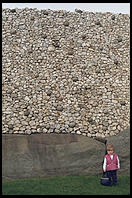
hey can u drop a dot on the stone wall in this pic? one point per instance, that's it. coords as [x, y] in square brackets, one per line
[43, 155]
[65, 72]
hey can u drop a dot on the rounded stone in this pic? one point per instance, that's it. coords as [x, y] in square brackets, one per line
[123, 103]
[113, 17]
[70, 52]
[119, 39]
[26, 113]
[98, 23]
[78, 11]
[51, 48]
[44, 130]
[27, 98]
[66, 23]
[45, 12]
[78, 132]
[9, 91]
[55, 43]
[32, 18]
[91, 121]
[10, 127]
[13, 10]
[44, 36]
[28, 132]
[75, 79]
[59, 108]
[49, 92]
[105, 124]
[13, 31]
[116, 62]
[72, 124]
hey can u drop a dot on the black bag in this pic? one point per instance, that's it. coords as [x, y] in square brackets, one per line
[105, 180]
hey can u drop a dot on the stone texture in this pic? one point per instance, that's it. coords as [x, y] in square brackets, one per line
[42, 155]
[65, 66]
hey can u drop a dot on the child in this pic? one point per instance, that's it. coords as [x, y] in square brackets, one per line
[111, 164]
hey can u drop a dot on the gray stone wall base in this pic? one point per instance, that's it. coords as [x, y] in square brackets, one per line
[43, 155]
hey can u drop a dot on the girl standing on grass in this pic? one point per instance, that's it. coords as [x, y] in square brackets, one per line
[111, 164]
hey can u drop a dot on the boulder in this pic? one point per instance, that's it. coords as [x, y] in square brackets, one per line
[42, 155]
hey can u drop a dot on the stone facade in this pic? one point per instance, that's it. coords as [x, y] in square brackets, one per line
[65, 72]
[44, 155]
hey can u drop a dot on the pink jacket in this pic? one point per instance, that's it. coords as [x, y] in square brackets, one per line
[111, 164]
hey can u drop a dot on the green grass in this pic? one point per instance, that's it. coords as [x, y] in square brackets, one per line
[66, 185]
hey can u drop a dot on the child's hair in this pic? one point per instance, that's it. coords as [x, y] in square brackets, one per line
[110, 146]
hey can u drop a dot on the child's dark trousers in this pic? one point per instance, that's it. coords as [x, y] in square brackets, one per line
[112, 175]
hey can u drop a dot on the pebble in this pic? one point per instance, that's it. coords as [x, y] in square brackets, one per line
[84, 134]
[78, 132]
[28, 132]
[69, 71]
[72, 124]
[59, 108]
[51, 48]
[44, 130]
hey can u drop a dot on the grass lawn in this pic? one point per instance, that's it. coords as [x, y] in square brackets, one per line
[66, 185]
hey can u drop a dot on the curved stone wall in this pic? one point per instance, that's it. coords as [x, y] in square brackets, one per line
[44, 155]
[65, 72]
